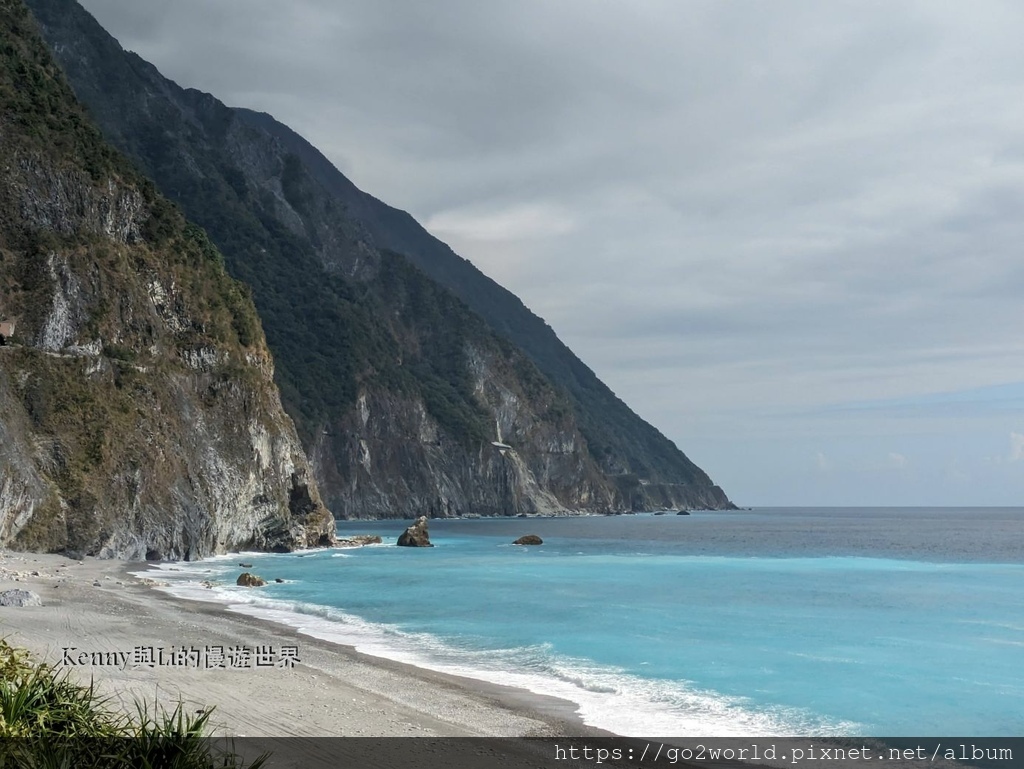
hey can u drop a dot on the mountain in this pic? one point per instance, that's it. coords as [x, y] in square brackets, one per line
[400, 362]
[138, 414]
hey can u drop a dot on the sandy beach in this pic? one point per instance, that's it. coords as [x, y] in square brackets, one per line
[105, 614]
[96, 613]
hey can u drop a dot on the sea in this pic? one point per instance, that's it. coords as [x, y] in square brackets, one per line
[771, 621]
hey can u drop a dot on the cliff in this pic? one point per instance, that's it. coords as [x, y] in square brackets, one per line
[138, 413]
[401, 363]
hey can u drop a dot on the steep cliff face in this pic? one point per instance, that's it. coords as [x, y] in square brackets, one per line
[400, 363]
[138, 414]
[633, 453]
[536, 462]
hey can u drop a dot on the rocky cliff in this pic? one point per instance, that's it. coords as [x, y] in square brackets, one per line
[401, 364]
[138, 413]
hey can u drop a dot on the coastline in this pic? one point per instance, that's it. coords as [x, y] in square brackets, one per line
[100, 609]
[100, 606]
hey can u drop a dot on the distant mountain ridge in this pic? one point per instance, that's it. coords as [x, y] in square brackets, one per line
[400, 362]
[631, 444]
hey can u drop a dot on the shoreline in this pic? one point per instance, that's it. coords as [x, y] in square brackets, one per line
[98, 607]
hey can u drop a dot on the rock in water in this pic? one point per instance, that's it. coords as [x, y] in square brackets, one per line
[416, 535]
[529, 539]
[245, 579]
[19, 598]
[359, 540]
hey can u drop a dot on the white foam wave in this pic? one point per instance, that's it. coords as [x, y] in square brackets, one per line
[1003, 641]
[826, 658]
[606, 697]
[989, 623]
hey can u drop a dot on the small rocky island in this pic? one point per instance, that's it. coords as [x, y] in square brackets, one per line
[529, 539]
[416, 535]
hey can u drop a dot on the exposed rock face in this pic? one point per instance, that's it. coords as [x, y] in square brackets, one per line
[529, 539]
[19, 598]
[416, 535]
[245, 579]
[359, 540]
[440, 364]
[139, 418]
[428, 471]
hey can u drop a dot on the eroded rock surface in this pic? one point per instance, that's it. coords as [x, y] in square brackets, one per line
[416, 535]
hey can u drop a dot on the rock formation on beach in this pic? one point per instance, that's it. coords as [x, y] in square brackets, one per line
[19, 598]
[451, 397]
[138, 413]
[416, 535]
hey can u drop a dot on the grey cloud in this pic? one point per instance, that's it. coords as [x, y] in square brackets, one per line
[766, 202]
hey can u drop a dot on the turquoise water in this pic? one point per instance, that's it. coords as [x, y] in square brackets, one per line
[866, 622]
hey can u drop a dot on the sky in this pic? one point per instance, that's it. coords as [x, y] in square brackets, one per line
[787, 234]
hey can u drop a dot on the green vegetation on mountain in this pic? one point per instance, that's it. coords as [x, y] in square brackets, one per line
[622, 442]
[132, 345]
[44, 126]
[367, 316]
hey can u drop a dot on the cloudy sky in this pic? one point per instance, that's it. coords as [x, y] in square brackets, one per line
[788, 234]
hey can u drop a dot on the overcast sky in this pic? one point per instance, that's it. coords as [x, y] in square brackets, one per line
[788, 234]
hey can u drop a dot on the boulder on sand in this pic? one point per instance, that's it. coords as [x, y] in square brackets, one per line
[19, 598]
[416, 535]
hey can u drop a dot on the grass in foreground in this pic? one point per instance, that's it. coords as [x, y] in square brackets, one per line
[48, 721]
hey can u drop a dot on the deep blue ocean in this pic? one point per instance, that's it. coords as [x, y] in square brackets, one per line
[868, 622]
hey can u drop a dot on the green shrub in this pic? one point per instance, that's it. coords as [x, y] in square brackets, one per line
[48, 720]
